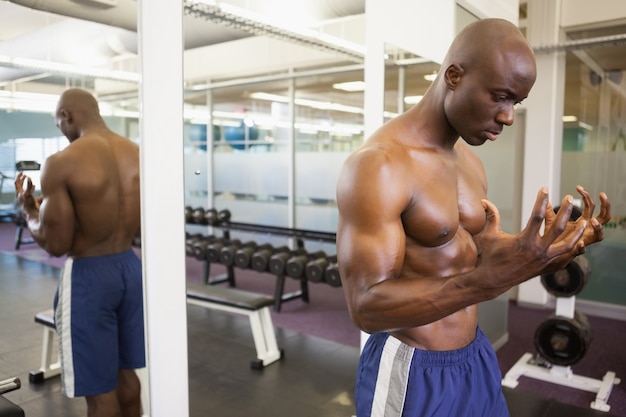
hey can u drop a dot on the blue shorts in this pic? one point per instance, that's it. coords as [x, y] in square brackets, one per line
[396, 380]
[99, 321]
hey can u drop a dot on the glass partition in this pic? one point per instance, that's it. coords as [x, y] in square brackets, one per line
[594, 155]
[328, 126]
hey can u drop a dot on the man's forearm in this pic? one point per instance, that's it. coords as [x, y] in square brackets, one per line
[31, 215]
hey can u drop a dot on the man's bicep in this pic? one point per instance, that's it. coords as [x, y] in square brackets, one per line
[57, 217]
[370, 242]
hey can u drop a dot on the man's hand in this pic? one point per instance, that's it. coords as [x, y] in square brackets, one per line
[25, 197]
[593, 232]
[511, 259]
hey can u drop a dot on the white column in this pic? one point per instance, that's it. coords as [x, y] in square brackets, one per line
[544, 123]
[162, 202]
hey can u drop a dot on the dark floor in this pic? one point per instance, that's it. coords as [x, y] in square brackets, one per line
[315, 378]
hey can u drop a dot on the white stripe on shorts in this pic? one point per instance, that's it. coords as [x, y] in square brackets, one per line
[392, 379]
[64, 328]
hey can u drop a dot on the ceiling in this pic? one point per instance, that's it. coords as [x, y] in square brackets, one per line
[106, 38]
[100, 36]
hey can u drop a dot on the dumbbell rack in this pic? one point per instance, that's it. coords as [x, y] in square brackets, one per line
[298, 234]
[562, 375]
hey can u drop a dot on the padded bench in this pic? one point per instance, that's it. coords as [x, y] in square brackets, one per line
[255, 306]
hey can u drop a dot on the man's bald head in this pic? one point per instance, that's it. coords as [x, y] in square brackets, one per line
[77, 110]
[483, 41]
[78, 100]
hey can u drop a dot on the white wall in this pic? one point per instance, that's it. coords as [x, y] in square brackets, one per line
[505, 9]
[585, 12]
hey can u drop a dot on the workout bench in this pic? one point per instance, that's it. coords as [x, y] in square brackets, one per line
[48, 368]
[255, 306]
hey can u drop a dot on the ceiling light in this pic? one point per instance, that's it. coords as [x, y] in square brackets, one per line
[24, 101]
[315, 104]
[413, 99]
[570, 118]
[431, 77]
[269, 97]
[68, 69]
[350, 86]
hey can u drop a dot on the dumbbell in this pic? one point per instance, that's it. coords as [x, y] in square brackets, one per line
[243, 255]
[227, 253]
[260, 259]
[189, 242]
[198, 216]
[214, 249]
[564, 341]
[223, 216]
[210, 217]
[296, 264]
[188, 214]
[199, 247]
[315, 269]
[570, 280]
[278, 261]
[331, 275]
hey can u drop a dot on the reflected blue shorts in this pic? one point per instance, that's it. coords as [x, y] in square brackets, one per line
[99, 321]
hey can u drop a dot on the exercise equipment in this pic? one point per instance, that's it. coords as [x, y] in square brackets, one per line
[227, 253]
[568, 281]
[188, 214]
[294, 268]
[190, 241]
[278, 261]
[8, 385]
[255, 306]
[198, 216]
[200, 246]
[206, 217]
[316, 268]
[260, 259]
[243, 255]
[331, 275]
[8, 408]
[563, 340]
[50, 364]
[223, 216]
[214, 248]
[210, 216]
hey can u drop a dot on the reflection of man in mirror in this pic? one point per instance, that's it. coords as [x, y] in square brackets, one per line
[89, 210]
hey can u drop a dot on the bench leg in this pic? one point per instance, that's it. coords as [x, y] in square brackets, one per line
[48, 369]
[264, 338]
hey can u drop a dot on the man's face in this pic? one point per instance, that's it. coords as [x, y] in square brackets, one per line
[485, 98]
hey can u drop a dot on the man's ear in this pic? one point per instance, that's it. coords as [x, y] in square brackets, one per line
[66, 115]
[453, 75]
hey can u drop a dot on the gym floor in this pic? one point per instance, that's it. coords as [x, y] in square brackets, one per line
[315, 378]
